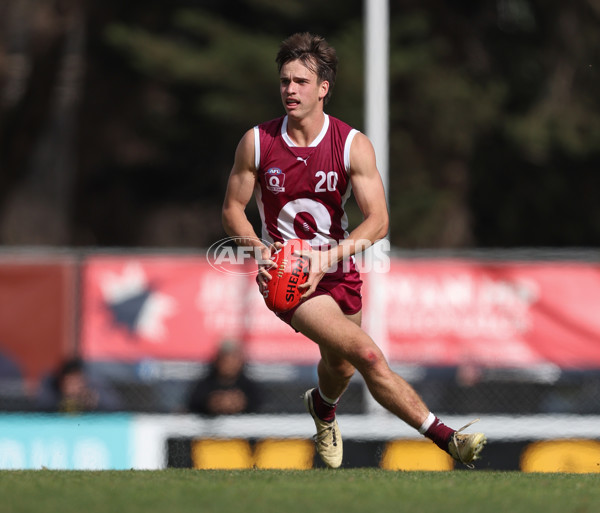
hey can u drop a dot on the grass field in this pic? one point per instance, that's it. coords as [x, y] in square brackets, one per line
[347, 491]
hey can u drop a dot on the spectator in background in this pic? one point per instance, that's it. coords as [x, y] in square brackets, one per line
[8, 368]
[12, 386]
[70, 391]
[226, 390]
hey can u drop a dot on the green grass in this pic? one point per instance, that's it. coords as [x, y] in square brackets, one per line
[313, 491]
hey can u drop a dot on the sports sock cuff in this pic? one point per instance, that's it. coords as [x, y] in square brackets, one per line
[333, 402]
[427, 424]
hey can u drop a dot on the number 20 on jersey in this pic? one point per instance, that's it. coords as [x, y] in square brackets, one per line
[326, 181]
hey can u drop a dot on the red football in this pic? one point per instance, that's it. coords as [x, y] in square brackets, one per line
[282, 292]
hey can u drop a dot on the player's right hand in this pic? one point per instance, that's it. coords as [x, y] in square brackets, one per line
[266, 263]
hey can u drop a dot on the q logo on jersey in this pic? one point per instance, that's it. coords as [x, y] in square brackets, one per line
[275, 178]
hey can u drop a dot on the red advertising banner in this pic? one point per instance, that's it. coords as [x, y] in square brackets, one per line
[178, 308]
[449, 312]
[435, 312]
[37, 312]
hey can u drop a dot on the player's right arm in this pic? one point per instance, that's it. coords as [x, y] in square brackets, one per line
[240, 188]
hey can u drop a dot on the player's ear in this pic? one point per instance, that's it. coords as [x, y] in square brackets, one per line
[323, 89]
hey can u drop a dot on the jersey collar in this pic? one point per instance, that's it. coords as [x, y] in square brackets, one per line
[318, 139]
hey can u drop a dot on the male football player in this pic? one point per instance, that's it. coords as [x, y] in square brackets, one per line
[301, 169]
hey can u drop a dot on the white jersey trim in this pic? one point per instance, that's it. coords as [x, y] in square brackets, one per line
[318, 139]
[256, 147]
[347, 146]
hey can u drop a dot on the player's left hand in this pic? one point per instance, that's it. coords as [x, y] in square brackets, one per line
[320, 262]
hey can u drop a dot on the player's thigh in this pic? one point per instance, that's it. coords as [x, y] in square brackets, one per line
[335, 360]
[355, 318]
[339, 336]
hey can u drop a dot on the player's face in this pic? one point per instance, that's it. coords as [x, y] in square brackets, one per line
[301, 91]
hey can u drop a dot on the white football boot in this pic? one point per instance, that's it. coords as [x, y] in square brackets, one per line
[466, 448]
[328, 440]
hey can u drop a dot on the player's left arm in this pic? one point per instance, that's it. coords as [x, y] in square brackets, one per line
[370, 196]
[369, 193]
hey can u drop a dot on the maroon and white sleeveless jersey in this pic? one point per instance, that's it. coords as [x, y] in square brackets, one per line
[301, 191]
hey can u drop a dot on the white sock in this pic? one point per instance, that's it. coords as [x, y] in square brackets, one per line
[333, 402]
[427, 424]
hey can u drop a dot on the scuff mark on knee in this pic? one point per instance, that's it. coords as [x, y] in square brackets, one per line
[372, 356]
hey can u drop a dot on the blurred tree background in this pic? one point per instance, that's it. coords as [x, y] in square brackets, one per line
[119, 120]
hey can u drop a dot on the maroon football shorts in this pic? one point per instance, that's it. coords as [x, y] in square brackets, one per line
[343, 287]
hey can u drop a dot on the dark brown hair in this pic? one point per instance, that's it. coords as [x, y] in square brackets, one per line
[314, 52]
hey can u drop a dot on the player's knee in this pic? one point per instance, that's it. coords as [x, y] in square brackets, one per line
[370, 359]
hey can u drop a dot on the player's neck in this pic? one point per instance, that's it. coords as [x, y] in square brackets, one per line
[305, 130]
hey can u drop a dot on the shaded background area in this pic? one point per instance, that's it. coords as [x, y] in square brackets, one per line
[118, 125]
[118, 121]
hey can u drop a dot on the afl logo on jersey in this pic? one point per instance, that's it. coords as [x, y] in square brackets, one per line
[275, 178]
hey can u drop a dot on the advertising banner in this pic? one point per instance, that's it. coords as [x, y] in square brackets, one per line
[87, 442]
[37, 316]
[434, 312]
[179, 308]
[452, 312]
